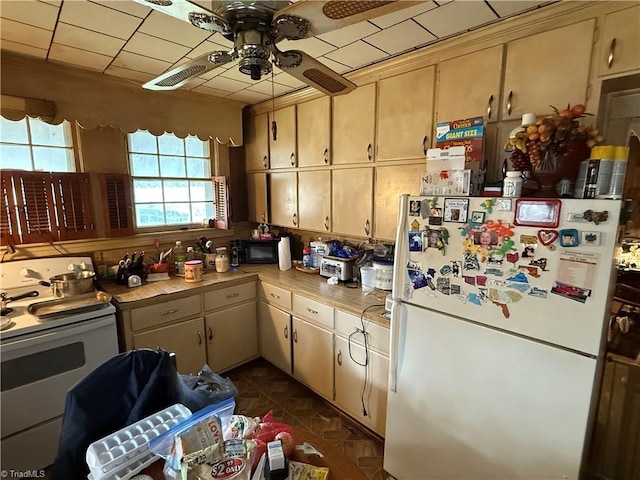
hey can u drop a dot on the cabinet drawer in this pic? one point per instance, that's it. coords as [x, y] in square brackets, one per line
[229, 296]
[311, 310]
[275, 295]
[346, 324]
[164, 312]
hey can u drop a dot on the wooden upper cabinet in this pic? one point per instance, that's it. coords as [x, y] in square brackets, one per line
[257, 197]
[469, 86]
[283, 188]
[354, 126]
[352, 201]
[314, 132]
[550, 68]
[314, 200]
[283, 149]
[620, 41]
[405, 115]
[391, 182]
[256, 142]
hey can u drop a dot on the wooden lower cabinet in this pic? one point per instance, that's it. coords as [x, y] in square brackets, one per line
[186, 339]
[274, 332]
[232, 336]
[313, 357]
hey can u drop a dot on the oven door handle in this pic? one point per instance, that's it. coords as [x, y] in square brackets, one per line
[11, 344]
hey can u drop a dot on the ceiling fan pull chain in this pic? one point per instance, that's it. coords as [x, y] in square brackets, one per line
[274, 125]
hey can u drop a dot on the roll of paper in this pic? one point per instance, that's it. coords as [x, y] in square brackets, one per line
[284, 254]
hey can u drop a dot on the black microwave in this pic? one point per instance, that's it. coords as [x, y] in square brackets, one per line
[260, 251]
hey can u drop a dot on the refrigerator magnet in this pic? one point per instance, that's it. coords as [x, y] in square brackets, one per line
[569, 237]
[415, 241]
[456, 210]
[590, 238]
[537, 213]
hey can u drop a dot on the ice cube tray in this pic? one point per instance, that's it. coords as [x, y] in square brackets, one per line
[124, 453]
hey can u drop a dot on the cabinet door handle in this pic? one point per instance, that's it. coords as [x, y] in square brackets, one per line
[274, 295]
[233, 295]
[490, 106]
[292, 158]
[286, 331]
[425, 144]
[210, 333]
[199, 338]
[312, 311]
[169, 312]
[509, 99]
[369, 152]
[340, 357]
[367, 227]
[325, 156]
[294, 219]
[326, 223]
[295, 335]
[264, 217]
[612, 51]
[265, 164]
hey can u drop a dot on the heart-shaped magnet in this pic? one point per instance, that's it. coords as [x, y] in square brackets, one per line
[547, 237]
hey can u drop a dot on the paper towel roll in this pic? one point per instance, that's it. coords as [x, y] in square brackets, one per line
[284, 254]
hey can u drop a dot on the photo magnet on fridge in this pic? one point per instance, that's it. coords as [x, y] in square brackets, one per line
[456, 210]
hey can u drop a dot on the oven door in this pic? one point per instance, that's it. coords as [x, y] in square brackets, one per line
[37, 371]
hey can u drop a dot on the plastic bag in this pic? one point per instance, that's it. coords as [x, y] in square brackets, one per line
[206, 388]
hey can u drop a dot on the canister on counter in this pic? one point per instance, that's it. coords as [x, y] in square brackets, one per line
[512, 184]
[618, 172]
[193, 271]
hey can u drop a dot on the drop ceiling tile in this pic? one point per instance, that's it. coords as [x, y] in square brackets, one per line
[194, 82]
[226, 84]
[38, 14]
[265, 87]
[77, 37]
[213, 73]
[130, 7]
[356, 54]
[455, 17]
[312, 46]
[169, 28]
[139, 77]
[504, 8]
[23, 49]
[140, 63]
[285, 79]
[220, 40]
[335, 66]
[206, 47]
[154, 47]
[210, 91]
[81, 58]
[98, 18]
[400, 37]
[248, 96]
[56, 3]
[236, 74]
[26, 34]
[386, 21]
[350, 34]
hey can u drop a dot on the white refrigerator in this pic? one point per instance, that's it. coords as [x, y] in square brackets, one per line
[497, 335]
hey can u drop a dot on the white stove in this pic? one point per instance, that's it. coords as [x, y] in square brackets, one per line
[42, 358]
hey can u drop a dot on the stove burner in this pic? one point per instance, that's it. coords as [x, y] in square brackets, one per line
[6, 311]
[6, 323]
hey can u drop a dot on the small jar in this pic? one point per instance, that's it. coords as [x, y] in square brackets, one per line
[512, 184]
[222, 260]
[306, 258]
[193, 271]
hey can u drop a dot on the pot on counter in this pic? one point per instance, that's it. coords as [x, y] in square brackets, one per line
[70, 284]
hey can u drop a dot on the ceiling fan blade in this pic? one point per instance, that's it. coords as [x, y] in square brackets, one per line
[178, 76]
[191, 13]
[310, 71]
[319, 17]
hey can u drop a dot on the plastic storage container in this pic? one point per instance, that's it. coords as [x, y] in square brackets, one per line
[126, 452]
[179, 257]
[222, 260]
[512, 184]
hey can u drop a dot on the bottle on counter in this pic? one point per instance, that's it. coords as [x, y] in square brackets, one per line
[306, 258]
[179, 257]
[222, 260]
[512, 184]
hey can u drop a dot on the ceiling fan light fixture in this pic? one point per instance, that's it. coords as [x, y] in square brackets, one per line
[208, 22]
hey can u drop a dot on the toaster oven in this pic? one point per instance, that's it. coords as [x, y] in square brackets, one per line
[342, 268]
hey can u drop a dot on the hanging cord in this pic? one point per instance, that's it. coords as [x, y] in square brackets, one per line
[274, 125]
[366, 363]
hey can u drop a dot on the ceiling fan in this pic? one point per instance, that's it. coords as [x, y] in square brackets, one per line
[255, 27]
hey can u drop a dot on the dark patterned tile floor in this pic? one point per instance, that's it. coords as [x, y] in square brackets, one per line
[263, 387]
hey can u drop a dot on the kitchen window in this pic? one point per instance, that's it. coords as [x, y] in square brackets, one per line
[171, 179]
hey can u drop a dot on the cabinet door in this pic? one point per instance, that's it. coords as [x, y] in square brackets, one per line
[256, 142]
[283, 149]
[391, 182]
[478, 76]
[535, 79]
[354, 126]
[314, 200]
[284, 199]
[354, 394]
[257, 190]
[620, 40]
[313, 357]
[314, 140]
[185, 339]
[352, 201]
[232, 336]
[274, 332]
[405, 115]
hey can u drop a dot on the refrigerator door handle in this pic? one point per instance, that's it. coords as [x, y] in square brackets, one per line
[394, 338]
